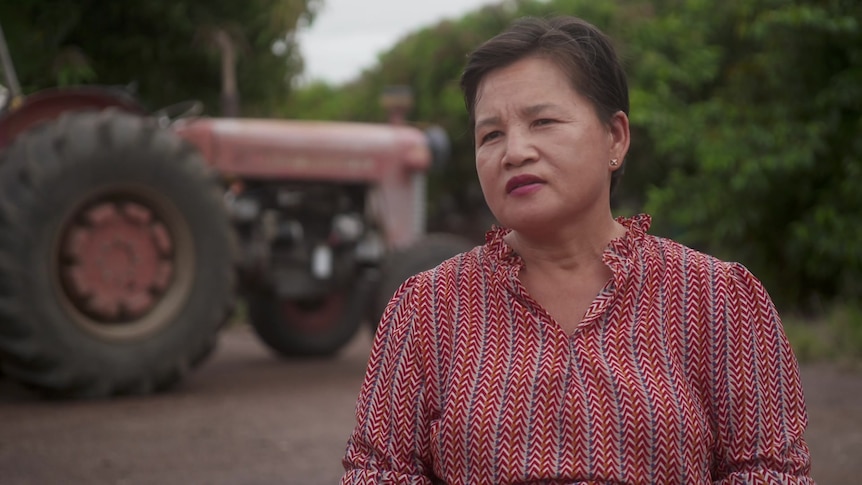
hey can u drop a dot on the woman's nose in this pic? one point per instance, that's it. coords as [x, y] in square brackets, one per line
[520, 148]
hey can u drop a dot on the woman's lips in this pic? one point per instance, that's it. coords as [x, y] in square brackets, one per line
[522, 184]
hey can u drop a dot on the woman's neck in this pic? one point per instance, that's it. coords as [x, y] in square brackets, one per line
[572, 249]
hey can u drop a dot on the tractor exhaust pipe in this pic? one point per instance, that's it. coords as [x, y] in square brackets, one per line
[10, 77]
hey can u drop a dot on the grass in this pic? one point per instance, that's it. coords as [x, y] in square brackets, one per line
[239, 316]
[835, 336]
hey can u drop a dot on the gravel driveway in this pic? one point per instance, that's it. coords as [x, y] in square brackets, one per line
[249, 418]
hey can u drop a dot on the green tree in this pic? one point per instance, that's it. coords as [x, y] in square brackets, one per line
[757, 129]
[163, 47]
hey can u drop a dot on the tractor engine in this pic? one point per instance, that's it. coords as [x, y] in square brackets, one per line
[303, 240]
[317, 207]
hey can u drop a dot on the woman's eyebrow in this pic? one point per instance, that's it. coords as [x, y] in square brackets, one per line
[493, 120]
[535, 109]
[531, 110]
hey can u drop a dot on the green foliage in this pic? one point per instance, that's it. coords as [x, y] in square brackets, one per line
[164, 47]
[758, 137]
[746, 117]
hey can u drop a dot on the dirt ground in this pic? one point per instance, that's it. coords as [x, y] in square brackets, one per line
[248, 418]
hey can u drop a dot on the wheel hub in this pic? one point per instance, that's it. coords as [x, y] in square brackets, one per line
[315, 316]
[117, 261]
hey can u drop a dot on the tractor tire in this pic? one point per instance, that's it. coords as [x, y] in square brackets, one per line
[310, 328]
[116, 257]
[400, 265]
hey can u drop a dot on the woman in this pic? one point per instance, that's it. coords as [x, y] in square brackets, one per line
[573, 347]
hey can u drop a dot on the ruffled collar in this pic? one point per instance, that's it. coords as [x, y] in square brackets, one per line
[616, 255]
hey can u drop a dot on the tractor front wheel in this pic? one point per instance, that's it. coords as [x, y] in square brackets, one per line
[316, 327]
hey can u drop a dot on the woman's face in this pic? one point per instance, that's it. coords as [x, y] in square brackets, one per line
[542, 154]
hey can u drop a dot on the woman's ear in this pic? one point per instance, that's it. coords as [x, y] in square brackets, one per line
[620, 136]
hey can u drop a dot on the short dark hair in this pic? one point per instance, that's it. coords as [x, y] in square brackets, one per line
[579, 48]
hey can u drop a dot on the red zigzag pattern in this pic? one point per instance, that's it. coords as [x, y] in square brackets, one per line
[679, 373]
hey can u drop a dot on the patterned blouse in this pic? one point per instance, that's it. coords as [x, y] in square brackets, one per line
[679, 373]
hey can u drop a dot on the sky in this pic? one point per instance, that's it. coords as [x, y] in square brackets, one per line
[347, 35]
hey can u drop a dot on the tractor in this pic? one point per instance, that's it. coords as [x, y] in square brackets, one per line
[127, 236]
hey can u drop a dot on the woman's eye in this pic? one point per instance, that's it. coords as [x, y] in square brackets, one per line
[490, 136]
[543, 121]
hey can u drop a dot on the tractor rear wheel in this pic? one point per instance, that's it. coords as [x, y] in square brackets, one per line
[425, 254]
[116, 257]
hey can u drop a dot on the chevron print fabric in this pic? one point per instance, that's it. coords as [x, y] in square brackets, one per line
[679, 373]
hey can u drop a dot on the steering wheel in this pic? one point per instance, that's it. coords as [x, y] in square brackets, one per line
[173, 112]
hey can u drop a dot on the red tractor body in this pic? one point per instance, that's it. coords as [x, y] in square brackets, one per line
[391, 158]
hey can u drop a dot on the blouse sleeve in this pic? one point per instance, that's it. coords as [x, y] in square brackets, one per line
[757, 399]
[389, 443]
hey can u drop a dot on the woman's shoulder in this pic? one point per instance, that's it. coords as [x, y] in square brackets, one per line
[447, 272]
[673, 249]
[428, 300]
[696, 263]
[472, 261]
[664, 248]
